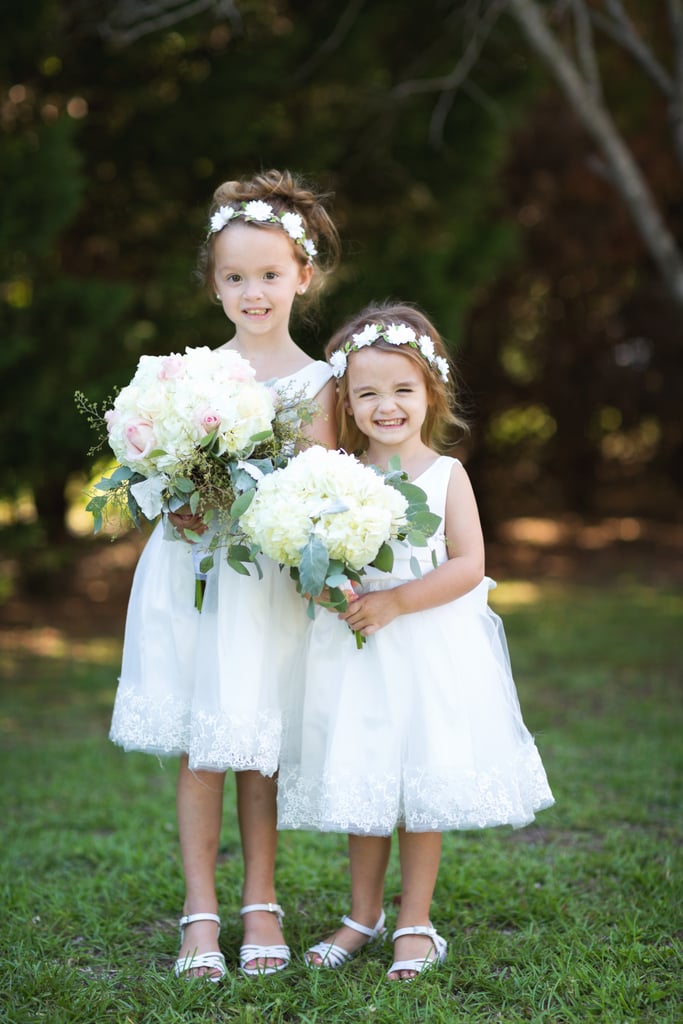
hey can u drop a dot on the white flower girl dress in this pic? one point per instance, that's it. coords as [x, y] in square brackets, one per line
[421, 727]
[210, 684]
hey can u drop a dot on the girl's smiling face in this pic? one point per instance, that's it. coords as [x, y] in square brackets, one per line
[257, 276]
[387, 395]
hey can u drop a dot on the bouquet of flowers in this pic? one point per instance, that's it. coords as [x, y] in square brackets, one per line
[328, 516]
[194, 430]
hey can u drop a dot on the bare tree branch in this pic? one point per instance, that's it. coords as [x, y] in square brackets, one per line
[676, 105]
[122, 22]
[597, 121]
[454, 79]
[585, 48]
[622, 31]
[333, 41]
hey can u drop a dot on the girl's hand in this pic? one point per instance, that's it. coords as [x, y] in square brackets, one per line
[367, 614]
[183, 520]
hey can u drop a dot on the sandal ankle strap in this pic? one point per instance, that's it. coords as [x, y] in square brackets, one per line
[372, 933]
[416, 929]
[191, 918]
[271, 908]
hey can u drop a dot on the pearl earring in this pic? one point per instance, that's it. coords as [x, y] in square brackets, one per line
[218, 296]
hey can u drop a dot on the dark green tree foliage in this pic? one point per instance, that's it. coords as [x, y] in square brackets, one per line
[110, 158]
[496, 223]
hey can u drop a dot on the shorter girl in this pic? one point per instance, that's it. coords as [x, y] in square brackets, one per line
[421, 730]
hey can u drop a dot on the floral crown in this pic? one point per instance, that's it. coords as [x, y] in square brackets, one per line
[263, 213]
[394, 334]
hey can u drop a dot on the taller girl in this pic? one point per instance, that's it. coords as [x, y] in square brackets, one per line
[209, 687]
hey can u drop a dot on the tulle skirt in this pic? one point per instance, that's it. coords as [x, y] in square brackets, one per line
[420, 728]
[207, 684]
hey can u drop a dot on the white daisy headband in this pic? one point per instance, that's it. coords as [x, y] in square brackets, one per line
[394, 334]
[263, 213]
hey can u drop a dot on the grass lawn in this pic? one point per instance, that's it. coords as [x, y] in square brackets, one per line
[577, 918]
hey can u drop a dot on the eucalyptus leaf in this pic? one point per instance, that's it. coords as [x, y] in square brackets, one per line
[313, 566]
[263, 435]
[193, 536]
[337, 599]
[122, 473]
[242, 503]
[416, 538]
[426, 522]
[242, 552]
[384, 560]
[96, 503]
[107, 483]
[411, 492]
[242, 480]
[235, 564]
[415, 567]
[183, 485]
[263, 465]
[208, 439]
[337, 580]
[206, 564]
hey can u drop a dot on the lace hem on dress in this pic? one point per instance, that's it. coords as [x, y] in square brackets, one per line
[426, 802]
[213, 742]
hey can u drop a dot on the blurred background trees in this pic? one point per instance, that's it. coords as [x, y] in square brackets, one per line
[464, 180]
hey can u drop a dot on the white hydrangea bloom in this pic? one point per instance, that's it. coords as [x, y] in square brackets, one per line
[328, 494]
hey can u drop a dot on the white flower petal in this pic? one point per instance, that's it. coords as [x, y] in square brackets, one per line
[258, 210]
[338, 363]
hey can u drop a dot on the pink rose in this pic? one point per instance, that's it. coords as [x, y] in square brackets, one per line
[111, 417]
[171, 366]
[140, 439]
[209, 420]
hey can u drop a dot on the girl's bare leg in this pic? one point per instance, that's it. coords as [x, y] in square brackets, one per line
[420, 854]
[199, 805]
[257, 815]
[368, 859]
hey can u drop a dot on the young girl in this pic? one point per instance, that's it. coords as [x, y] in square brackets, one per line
[209, 687]
[421, 729]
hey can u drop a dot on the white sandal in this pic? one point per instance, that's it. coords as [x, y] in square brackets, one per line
[332, 955]
[254, 952]
[192, 961]
[421, 963]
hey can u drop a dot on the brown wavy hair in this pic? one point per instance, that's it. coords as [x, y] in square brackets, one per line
[285, 192]
[443, 415]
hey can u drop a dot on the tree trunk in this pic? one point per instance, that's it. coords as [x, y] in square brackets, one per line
[625, 173]
[50, 501]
